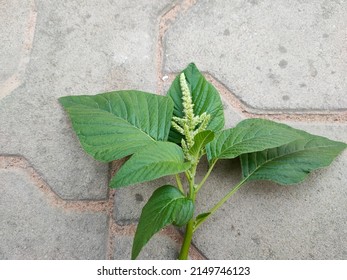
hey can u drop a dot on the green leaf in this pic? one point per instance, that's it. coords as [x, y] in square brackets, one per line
[205, 99]
[154, 161]
[201, 218]
[248, 136]
[167, 205]
[291, 163]
[117, 124]
[200, 141]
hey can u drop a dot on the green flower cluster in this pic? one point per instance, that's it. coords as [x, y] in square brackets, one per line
[189, 125]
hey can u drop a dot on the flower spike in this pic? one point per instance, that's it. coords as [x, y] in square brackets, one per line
[189, 125]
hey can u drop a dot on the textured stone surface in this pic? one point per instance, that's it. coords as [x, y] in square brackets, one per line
[160, 247]
[12, 33]
[283, 55]
[32, 228]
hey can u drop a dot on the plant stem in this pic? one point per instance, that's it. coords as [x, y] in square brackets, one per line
[191, 180]
[187, 240]
[179, 183]
[188, 235]
[206, 176]
[223, 200]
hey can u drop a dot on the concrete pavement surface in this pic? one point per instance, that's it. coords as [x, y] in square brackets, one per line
[281, 60]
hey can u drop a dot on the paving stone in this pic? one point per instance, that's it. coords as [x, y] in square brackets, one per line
[160, 247]
[12, 33]
[287, 55]
[32, 228]
[79, 48]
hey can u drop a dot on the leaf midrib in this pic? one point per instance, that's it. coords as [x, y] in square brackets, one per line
[114, 116]
[156, 163]
[255, 170]
[166, 205]
[172, 201]
[236, 142]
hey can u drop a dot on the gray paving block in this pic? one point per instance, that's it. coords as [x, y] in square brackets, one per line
[160, 247]
[33, 228]
[96, 46]
[13, 33]
[283, 55]
[78, 48]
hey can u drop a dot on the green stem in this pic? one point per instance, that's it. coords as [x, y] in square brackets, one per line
[187, 240]
[206, 176]
[179, 183]
[188, 235]
[191, 180]
[223, 200]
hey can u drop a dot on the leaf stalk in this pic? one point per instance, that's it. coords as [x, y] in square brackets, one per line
[223, 200]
